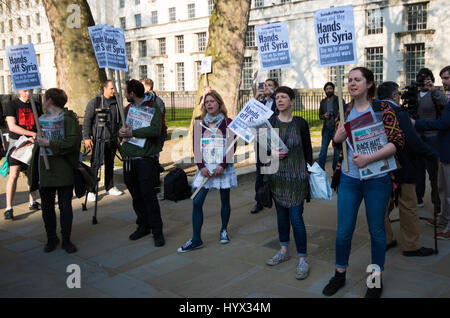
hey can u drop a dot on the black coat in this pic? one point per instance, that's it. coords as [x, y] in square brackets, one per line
[323, 109]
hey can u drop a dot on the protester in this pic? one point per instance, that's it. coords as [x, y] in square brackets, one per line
[213, 163]
[148, 86]
[406, 177]
[443, 142]
[431, 102]
[351, 190]
[20, 120]
[267, 97]
[329, 108]
[63, 154]
[140, 164]
[107, 102]
[289, 184]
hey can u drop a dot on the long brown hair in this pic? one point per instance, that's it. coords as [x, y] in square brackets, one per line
[368, 75]
[219, 100]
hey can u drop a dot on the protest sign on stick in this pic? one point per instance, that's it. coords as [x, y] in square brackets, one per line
[273, 46]
[25, 76]
[336, 46]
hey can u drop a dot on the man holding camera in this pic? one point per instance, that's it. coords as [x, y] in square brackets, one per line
[329, 108]
[406, 177]
[266, 95]
[431, 102]
[105, 104]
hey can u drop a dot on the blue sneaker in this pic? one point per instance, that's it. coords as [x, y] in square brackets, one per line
[189, 246]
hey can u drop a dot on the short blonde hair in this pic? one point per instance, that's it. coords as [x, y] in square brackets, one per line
[219, 100]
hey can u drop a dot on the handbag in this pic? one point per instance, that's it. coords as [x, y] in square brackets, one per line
[84, 178]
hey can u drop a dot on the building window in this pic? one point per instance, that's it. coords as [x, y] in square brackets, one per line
[191, 10]
[332, 75]
[142, 71]
[19, 22]
[180, 76]
[172, 14]
[247, 73]
[259, 3]
[38, 59]
[285, 1]
[10, 24]
[276, 75]
[210, 6]
[38, 38]
[122, 3]
[11, 41]
[250, 36]
[2, 27]
[374, 24]
[414, 60]
[201, 41]
[137, 19]
[123, 23]
[142, 48]
[154, 17]
[374, 62]
[20, 40]
[417, 16]
[160, 76]
[162, 46]
[137, 2]
[38, 19]
[28, 21]
[179, 44]
[29, 38]
[198, 67]
[128, 50]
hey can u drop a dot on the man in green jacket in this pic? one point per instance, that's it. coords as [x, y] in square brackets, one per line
[62, 143]
[139, 151]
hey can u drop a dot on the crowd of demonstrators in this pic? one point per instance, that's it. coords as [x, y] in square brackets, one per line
[106, 102]
[442, 126]
[62, 158]
[140, 166]
[289, 184]
[20, 120]
[214, 163]
[431, 102]
[406, 176]
[329, 109]
[351, 190]
[266, 94]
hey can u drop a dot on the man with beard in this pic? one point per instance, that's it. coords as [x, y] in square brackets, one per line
[329, 109]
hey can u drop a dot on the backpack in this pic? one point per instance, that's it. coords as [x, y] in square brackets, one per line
[176, 186]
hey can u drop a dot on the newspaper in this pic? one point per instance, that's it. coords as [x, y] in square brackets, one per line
[268, 137]
[53, 129]
[139, 117]
[213, 151]
[368, 140]
[23, 150]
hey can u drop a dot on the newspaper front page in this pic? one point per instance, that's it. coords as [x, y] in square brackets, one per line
[53, 129]
[139, 117]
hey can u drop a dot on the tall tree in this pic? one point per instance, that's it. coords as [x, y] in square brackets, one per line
[77, 71]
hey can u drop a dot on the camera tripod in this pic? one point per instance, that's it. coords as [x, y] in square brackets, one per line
[98, 157]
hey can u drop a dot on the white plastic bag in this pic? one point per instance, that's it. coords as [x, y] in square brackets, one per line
[319, 183]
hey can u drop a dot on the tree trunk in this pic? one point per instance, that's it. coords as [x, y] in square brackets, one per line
[77, 71]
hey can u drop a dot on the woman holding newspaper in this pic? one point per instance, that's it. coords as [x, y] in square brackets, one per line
[289, 183]
[62, 143]
[211, 141]
[352, 189]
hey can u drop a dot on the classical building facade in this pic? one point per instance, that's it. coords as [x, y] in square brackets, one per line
[166, 39]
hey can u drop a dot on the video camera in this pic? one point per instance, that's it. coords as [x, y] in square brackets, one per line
[102, 114]
[410, 95]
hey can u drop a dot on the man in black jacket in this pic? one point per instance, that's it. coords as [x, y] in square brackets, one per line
[106, 101]
[406, 177]
[329, 109]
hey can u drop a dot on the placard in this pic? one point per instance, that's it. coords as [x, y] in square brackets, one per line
[206, 66]
[335, 36]
[116, 53]
[23, 67]
[98, 43]
[273, 46]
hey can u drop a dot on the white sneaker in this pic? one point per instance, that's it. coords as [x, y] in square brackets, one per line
[224, 239]
[302, 270]
[91, 197]
[114, 191]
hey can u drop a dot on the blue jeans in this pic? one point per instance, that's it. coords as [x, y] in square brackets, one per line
[294, 216]
[376, 193]
[327, 136]
[197, 212]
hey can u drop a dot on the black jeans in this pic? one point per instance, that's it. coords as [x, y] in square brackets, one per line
[423, 166]
[139, 176]
[108, 158]
[48, 195]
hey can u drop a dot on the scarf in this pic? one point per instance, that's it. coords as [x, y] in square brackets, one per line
[214, 119]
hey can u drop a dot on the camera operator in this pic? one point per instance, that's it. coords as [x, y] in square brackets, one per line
[265, 93]
[104, 103]
[431, 102]
[406, 177]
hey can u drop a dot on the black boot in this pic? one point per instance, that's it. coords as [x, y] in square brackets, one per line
[375, 292]
[68, 246]
[158, 237]
[52, 244]
[9, 214]
[336, 282]
[139, 233]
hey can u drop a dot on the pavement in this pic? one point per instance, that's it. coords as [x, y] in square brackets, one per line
[110, 265]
